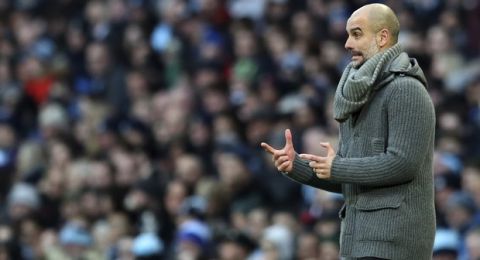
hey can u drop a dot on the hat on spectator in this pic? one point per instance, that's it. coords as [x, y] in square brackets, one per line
[24, 194]
[147, 244]
[446, 242]
[282, 238]
[74, 234]
[196, 232]
[451, 161]
[53, 115]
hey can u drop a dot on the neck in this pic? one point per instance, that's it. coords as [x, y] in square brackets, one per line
[386, 47]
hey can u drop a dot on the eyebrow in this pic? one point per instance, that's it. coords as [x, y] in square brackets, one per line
[355, 29]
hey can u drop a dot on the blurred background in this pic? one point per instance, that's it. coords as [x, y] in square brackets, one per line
[130, 129]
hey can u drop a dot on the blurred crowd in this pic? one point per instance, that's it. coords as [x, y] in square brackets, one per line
[130, 129]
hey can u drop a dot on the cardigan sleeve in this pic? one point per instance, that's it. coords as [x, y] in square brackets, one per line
[304, 174]
[411, 127]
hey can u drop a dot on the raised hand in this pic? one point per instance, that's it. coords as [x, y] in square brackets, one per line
[283, 158]
[322, 166]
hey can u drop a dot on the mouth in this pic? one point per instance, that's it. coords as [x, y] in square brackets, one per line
[356, 54]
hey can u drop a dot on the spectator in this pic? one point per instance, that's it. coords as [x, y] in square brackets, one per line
[234, 245]
[446, 244]
[121, 118]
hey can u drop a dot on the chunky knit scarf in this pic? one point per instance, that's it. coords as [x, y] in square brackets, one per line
[356, 86]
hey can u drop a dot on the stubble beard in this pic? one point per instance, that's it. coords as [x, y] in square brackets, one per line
[370, 52]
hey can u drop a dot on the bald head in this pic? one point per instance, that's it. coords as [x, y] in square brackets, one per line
[379, 17]
[371, 29]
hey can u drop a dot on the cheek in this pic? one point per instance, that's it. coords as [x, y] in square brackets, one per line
[364, 44]
[363, 48]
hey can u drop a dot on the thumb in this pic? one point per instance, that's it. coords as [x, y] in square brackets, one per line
[329, 148]
[288, 138]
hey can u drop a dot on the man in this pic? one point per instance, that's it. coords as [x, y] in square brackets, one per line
[384, 163]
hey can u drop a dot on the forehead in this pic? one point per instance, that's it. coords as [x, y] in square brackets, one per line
[357, 20]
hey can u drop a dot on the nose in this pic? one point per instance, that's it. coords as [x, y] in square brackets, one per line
[348, 44]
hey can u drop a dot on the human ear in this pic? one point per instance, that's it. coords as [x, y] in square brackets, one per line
[383, 37]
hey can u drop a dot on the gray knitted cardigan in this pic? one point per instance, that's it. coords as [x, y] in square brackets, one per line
[384, 163]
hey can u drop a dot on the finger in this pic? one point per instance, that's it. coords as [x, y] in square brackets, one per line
[325, 144]
[284, 166]
[282, 159]
[329, 148]
[310, 157]
[277, 154]
[268, 148]
[322, 175]
[288, 138]
[317, 165]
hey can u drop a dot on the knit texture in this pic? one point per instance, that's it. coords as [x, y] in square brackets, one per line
[304, 174]
[356, 86]
[384, 167]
